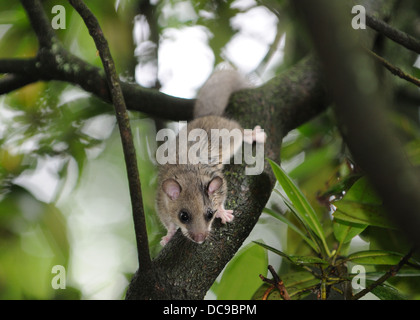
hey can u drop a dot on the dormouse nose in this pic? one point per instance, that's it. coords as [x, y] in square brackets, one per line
[199, 237]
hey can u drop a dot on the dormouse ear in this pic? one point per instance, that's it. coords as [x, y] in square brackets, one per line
[214, 185]
[171, 188]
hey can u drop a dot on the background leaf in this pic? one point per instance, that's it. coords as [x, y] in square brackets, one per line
[297, 260]
[361, 205]
[283, 219]
[345, 231]
[241, 279]
[302, 206]
[386, 292]
[375, 257]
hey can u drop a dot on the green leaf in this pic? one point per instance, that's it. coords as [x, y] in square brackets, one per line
[373, 215]
[406, 272]
[386, 292]
[314, 161]
[362, 192]
[307, 260]
[361, 205]
[241, 279]
[283, 219]
[345, 231]
[297, 260]
[412, 149]
[300, 203]
[337, 189]
[375, 257]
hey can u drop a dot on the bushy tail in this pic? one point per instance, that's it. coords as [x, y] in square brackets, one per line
[213, 97]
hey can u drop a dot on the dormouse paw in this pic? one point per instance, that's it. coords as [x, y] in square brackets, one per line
[164, 240]
[257, 135]
[224, 215]
[169, 235]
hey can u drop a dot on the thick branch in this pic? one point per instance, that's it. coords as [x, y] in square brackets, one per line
[18, 66]
[40, 23]
[18, 73]
[54, 62]
[57, 64]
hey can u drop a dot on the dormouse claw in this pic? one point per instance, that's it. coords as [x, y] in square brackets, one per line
[224, 215]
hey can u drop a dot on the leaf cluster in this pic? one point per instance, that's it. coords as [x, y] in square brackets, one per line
[327, 267]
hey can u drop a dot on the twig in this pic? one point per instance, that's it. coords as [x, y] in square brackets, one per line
[125, 132]
[398, 36]
[274, 47]
[395, 70]
[392, 272]
[276, 282]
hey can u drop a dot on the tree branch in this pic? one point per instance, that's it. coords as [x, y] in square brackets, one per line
[125, 133]
[277, 283]
[18, 66]
[54, 62]
[392, 272]
[395, 70]
[40, 23]
[398, 36]
[62, 66]
[18, 73]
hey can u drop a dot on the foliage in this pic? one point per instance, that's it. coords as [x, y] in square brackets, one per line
[50, 128]
[356, 212]
[238, 280]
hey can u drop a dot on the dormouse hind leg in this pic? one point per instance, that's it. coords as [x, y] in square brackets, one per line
[171, 231]
[225, 215]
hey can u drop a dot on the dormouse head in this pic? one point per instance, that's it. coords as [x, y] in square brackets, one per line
[192, 204]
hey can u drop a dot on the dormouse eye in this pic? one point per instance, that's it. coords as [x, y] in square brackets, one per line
[209, 215]
[184, 216]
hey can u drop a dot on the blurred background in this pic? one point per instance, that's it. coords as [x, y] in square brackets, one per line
[64, 196]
